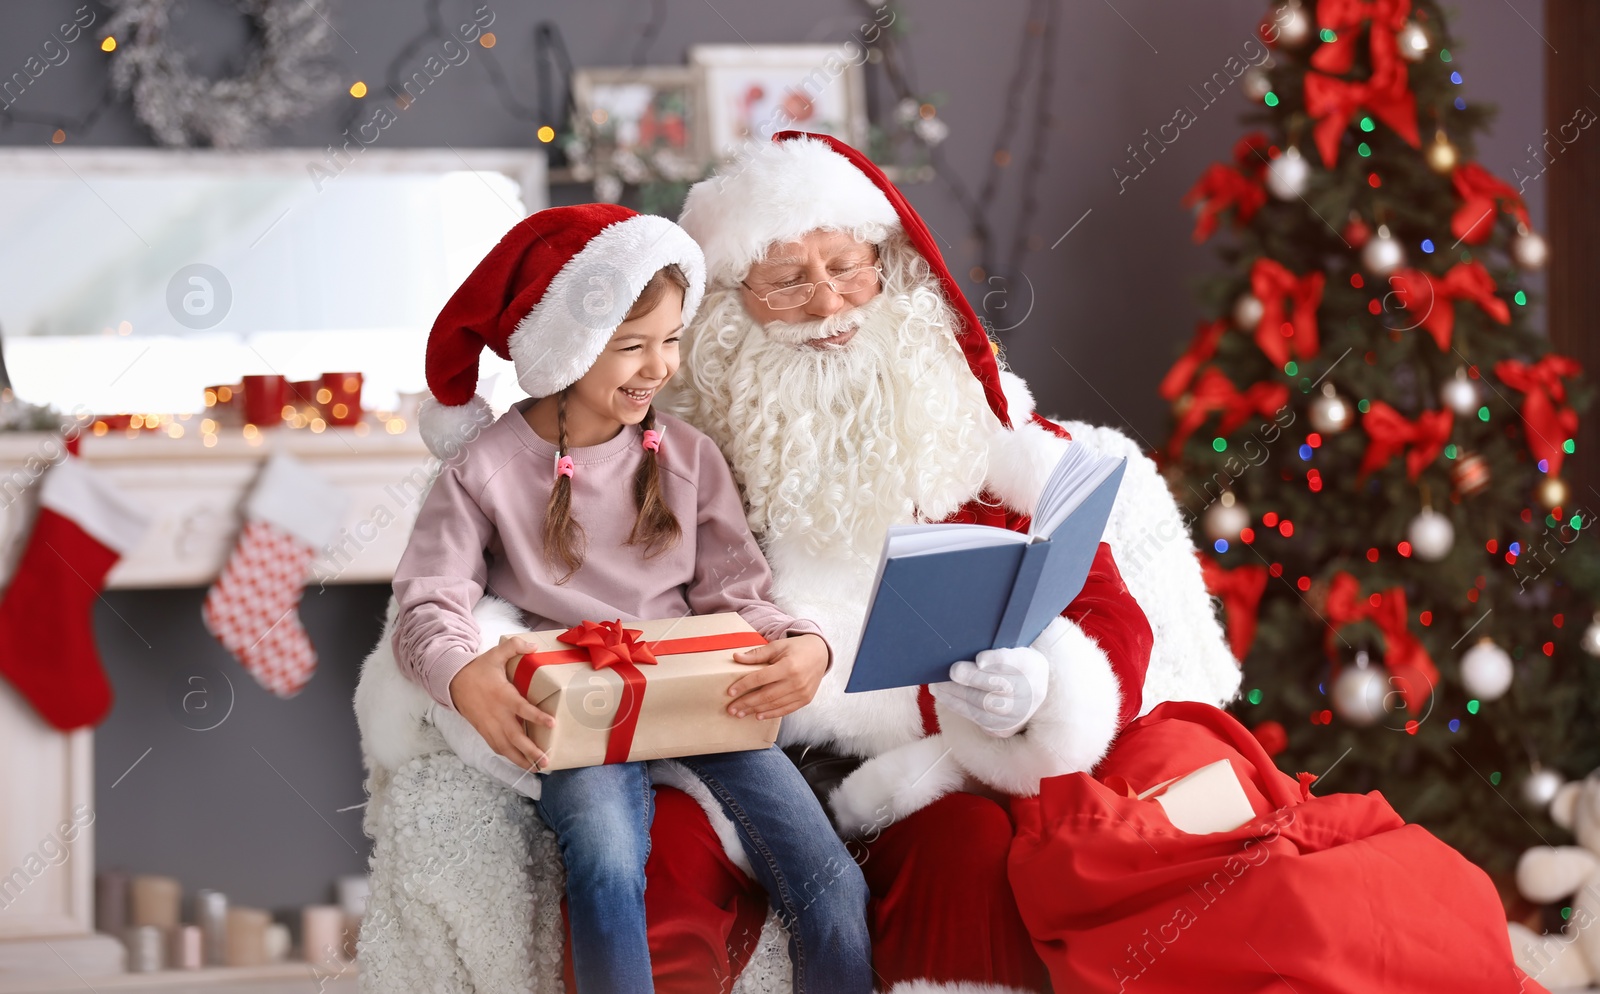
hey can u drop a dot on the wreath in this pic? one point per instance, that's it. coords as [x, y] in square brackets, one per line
[283, 74]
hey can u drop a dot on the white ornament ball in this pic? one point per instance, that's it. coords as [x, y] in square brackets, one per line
[1225, 519]
[1330, 413]
[1541, 786]
[1529, 250]
[1431, 535]
[1287, 175]
[1384, 253]
[1413, 42]
[1255, 84]
[1486, 671]
[1247, 311]
[1358, 694]
[1591, 637]
[1294, 27]
[1460, 394]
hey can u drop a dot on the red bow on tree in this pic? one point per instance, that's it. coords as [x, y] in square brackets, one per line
[1544, 404]
[1386, 93]
[1344, 16]
[1238, 186]
[1215, 392]
[1388, 432]
[1411, 669]
[1481, 193]
[1435, 298]
[1240, 590]
[1204, 346]
[609, 644]
[1271, 283]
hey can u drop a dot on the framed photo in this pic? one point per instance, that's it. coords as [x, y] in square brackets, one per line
[751, 92]
[648, 115]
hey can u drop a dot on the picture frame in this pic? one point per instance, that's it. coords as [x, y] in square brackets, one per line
[638, 123]
[751, 92]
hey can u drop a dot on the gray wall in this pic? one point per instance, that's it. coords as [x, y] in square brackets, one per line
[1113, 299]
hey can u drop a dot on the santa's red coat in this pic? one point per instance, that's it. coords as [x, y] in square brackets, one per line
[1085, 887]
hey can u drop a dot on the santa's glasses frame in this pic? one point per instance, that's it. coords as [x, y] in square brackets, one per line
[787, 298]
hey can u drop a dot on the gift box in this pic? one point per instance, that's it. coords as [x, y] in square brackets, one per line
[639, 691]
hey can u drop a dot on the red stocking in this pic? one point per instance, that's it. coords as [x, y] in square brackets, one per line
[47, 647]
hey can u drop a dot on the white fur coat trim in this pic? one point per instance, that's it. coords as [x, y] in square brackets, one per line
[1069, 733]
[894, 784]
[1022, 457]
[957, 987]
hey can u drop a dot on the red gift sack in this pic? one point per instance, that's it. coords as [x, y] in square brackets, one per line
[1330, 894]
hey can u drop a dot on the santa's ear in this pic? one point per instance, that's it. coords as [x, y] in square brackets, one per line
[1564, 809]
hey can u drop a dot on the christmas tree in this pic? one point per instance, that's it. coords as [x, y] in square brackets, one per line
[1370, 436]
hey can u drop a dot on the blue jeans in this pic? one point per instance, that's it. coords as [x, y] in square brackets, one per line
[601, 816]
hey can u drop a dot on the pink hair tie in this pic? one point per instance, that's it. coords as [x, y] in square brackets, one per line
[564, 467]
[652, 440]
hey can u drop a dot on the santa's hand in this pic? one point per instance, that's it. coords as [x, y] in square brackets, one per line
[999, 692]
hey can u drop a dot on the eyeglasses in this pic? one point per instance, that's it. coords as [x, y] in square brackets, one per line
[789, 297]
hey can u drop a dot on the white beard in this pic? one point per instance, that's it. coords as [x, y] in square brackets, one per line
[831, 446]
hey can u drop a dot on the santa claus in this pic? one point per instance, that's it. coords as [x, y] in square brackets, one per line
[852, 388]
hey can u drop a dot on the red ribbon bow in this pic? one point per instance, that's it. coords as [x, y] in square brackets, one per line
[1204, 346]
[1271, 283]
[1435, 298]
[1240, 590]
[1215, 392]
[1222, 186]
[1411, 669]
[1544, 404]
[1386, 92]
[1481, 192]
[1389, 432]
[1343, 17]
[609, 644]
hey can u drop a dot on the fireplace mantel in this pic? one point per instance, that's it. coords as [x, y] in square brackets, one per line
[193, 492]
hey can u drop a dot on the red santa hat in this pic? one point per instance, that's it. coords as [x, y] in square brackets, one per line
[803, 182]
[548, 298]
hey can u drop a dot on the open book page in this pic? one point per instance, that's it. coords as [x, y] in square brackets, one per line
[1075, 477]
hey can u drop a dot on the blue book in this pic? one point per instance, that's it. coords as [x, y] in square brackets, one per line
[944, 593]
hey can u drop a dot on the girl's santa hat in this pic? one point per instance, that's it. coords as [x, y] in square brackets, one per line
[803, 182]
[547, 298]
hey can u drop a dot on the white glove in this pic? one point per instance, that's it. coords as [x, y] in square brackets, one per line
[473, 750]
[998, 693]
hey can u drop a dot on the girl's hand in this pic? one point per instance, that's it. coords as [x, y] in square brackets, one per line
[485, 696]
[791, 671]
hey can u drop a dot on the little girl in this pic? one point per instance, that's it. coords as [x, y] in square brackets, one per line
[584, 504]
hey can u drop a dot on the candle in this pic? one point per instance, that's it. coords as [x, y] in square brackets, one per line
[340, 398]
[278, 942]
[225, 404]
[264, 399]
[352, 934]
[247, 936]
[187, 948]
[353, 891]
[211, 914]
[144, 944]
[155, 901]
[111, 902]
[322, 933]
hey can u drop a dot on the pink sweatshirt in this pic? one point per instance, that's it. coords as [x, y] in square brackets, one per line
[481, 529]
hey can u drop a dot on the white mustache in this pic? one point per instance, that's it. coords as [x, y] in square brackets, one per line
[801, 332]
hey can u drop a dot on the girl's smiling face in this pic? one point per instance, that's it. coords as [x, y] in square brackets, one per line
[638, 361]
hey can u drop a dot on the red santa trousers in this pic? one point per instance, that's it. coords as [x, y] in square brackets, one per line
[1329, 894]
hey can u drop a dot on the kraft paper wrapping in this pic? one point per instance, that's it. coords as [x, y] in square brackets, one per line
[683, 711]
